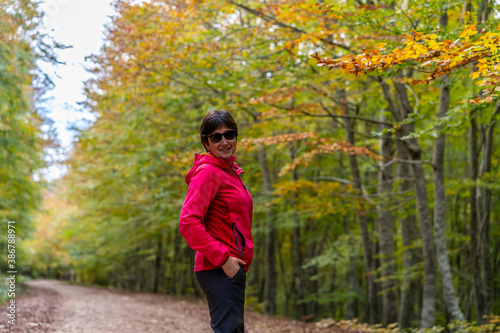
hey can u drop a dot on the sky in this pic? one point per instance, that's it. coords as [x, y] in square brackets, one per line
[80, 24]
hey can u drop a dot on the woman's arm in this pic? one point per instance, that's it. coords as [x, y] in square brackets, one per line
[201, 192]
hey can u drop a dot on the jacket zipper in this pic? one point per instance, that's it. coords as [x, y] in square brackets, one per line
[236, 239]
[234, 224]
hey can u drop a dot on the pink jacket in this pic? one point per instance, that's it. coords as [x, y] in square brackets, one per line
[216, 217]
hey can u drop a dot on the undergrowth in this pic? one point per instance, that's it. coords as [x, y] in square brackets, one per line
[491, 325]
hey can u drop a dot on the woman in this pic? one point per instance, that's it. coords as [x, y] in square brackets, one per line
[216, 220]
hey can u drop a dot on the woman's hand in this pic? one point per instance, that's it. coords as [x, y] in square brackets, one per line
[232, 266]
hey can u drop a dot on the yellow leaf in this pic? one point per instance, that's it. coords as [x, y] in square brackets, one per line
[474, 75]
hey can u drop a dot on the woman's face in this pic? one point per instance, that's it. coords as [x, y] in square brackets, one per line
[225, 148]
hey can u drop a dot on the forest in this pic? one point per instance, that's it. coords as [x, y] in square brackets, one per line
[367, 134]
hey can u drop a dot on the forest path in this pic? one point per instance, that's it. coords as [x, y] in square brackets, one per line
[56, 307]
[100, 310]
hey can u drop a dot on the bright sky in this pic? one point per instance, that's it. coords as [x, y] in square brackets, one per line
[80, 24]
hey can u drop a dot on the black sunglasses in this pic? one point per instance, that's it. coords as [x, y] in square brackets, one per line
[217, 137]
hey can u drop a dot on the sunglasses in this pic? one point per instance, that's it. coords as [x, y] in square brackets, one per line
[217, 137]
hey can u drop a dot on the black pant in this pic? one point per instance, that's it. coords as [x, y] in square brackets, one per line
[226, 299]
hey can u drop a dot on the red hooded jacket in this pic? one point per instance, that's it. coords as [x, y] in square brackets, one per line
[216, 217]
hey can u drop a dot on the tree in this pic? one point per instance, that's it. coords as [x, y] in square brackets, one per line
[22, 141]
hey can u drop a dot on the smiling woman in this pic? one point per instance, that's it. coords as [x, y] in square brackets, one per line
[218, 134]
[222, 142]
[216, 221]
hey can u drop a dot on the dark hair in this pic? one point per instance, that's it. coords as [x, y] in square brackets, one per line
[214, 120]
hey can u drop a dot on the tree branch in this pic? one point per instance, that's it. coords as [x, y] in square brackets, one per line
[331, 179]
[283, 25]
[369, 120]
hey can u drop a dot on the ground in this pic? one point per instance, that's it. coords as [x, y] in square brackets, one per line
[56, 307]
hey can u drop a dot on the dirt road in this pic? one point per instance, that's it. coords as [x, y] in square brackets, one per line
[55, 307]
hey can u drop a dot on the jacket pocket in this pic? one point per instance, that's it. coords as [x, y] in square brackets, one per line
[239, 239]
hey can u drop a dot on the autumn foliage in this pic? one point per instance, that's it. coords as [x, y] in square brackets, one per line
[436, 58]
[343, 168]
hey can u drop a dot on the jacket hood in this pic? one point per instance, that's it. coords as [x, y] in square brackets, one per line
[200, 159]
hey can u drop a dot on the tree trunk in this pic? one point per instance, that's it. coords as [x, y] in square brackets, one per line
[409, 236]
[176, 264]
[312, 287]
[409, 229]
[482, 11]
[351, 311]
[270, 271]
[372, 313]
[385, 222]
[286, 291]
[484, 199]
[474, 256]
[480, 218]
[440, 209]
[429, 293]
[296, 251]
[158, 271]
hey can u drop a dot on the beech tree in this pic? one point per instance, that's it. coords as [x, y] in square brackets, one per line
[22, 141]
